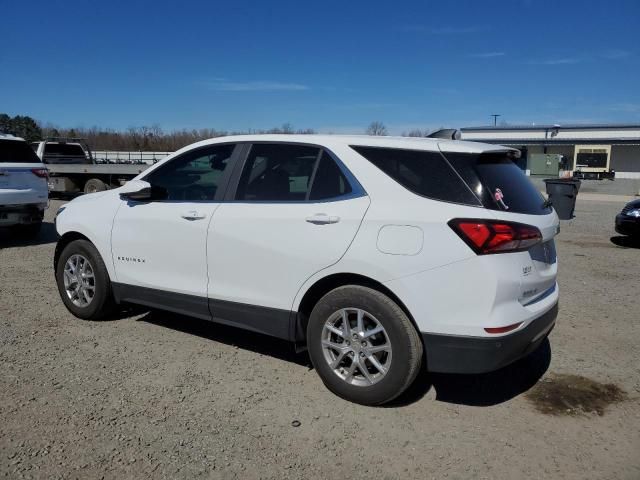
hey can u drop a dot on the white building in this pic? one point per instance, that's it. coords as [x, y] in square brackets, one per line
[617, 144]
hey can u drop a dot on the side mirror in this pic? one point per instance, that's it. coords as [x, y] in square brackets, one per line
[141, 191]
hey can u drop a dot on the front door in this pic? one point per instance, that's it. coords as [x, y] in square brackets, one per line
[159, 248]
[294, 212]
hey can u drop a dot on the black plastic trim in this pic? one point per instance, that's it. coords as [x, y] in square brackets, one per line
[181, 303]
[269, 321]
[459, 354]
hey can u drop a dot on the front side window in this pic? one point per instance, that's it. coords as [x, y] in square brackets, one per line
[194, 176]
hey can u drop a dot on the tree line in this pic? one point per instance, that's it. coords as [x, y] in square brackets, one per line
[148, 138]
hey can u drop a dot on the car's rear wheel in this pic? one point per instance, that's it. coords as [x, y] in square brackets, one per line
[363, 345]
[83, 281]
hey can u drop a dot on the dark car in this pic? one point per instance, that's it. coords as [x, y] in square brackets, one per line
[628, 220]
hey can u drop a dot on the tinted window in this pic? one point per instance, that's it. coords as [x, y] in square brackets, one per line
[424, 173]
[66, 149]
[277, 172]
[17, 151]
[328, 181]
[498, 182]
[194, 176]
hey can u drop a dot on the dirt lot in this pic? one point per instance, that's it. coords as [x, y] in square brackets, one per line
[159, 395]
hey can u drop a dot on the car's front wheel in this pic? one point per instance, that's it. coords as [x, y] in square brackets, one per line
[83, 281]
[363, 345]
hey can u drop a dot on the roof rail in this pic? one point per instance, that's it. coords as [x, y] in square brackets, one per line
[446, 133]
[65, 139]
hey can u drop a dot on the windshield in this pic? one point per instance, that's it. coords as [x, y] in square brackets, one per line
[15, 151]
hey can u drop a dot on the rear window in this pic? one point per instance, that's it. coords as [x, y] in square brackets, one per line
[498, 182]
[64, 149]
[424, 173]
[16, 151]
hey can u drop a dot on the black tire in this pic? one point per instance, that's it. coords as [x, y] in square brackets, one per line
[102, 303]
[407, 351]
[29, 231]
[94, 185]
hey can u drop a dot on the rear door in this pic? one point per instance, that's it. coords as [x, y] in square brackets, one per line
[23, 179]
[293, 210]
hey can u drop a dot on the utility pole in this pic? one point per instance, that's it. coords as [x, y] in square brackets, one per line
[495, 118]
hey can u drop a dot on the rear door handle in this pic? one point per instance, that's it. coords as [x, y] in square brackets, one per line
[193, 215]
[322, 219]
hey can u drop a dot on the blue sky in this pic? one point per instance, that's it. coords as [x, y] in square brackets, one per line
[334, 66]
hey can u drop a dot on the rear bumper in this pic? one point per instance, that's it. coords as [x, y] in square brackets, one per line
[21, 214]
[460, 354]
[626, 225]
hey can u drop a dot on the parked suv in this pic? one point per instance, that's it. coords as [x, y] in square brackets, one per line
[376, 253]
[23, 186]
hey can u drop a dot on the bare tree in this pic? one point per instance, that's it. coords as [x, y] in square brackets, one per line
[376, 128]
[416, 132]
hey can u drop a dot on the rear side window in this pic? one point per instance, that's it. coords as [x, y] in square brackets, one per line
[425, 173]
[498, 182]
[16, 151]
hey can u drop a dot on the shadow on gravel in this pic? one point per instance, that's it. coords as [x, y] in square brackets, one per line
[481, 390]
[626, 242]
[477, 390]
[47, 234]
[247, 340]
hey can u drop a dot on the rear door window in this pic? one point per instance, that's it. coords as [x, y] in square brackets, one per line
[328, 180]
[277, 172]
[17, 151]
[422, 172]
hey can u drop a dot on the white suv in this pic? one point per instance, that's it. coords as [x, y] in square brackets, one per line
[24, 194]
[378, 253]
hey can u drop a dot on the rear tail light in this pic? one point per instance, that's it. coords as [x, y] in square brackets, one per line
[40, 172]
[495, 236]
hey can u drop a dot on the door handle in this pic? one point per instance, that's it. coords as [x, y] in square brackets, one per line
[322, 219]
[193, 215]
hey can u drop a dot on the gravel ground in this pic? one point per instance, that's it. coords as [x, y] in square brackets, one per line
[159, 395]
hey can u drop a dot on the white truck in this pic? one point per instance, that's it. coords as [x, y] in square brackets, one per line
[72, 168]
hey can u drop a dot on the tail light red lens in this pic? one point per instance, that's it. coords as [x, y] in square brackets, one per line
[494, 236]
[40, 172]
